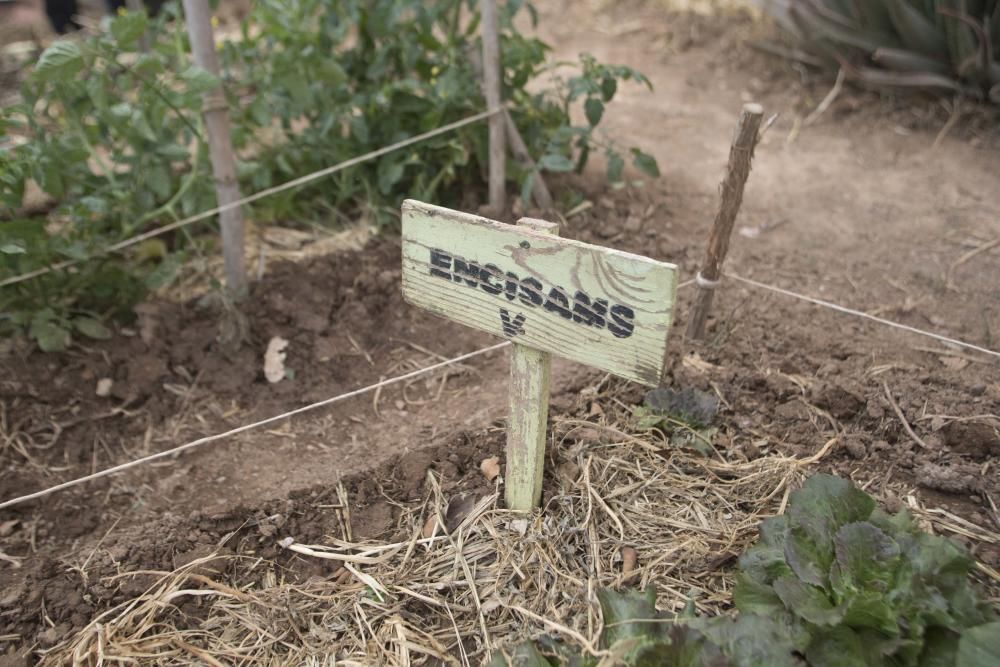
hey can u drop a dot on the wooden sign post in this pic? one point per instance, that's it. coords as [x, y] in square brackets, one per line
[547, 295]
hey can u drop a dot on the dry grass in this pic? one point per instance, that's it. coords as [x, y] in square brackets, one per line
[473, 577]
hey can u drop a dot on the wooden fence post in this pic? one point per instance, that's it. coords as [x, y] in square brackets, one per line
[215, 111]
[737, 171]
[527, 428]
[492, 81]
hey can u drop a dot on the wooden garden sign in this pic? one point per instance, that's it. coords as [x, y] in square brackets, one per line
[601, 307]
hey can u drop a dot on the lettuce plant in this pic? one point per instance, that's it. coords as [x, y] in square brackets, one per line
[832, 582]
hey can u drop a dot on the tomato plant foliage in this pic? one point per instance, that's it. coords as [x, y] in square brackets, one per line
[112, 132]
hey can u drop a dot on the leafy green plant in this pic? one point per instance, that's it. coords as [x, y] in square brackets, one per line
[114, 134]
[833, 581]
[868, 587]
[942, 45]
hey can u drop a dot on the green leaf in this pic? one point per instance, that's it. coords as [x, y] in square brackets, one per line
[594, 109]
[50, 336]
[838, 647]
[198, 80]
[608, 88]
[129, 27]
[755, 641]
[524, 654]
[555, 162]
[165, 273]
[389, 173]
[158, 178]
[645, 163]
[359, 129]
[940, 649]
[59, 62]
[752, 597]
[629, 614]
[298, 88]
[867, 555]
[815, 514]
[148, 64]
[121, 110]
[172, 152]
[13, 248]
[91, 328]
[980, 646]
[807, 602]
[683, 647]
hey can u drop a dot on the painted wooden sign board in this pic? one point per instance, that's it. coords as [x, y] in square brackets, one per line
[601, 307]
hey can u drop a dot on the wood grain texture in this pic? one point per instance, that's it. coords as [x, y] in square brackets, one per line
[601, 307]
[737, 172]
[492, 84]
[527, 423]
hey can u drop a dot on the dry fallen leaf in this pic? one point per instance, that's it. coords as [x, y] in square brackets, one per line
[630, 559]
[7, 527]
[490, 604]
[430, 526]
[695, 363]
[104, 387]
[490, 468]
[459, 507]
[519, 526]
[274, 359]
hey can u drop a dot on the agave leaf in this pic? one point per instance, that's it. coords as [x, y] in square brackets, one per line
[901, 60]
[918, 32]
[920, 80]
[874, 16]
[963, 46]
[819, 21]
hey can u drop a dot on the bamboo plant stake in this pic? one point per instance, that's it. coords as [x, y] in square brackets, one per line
[492, 82]
[737, 171]
[215, 112]
[518, 149]
[527, 430]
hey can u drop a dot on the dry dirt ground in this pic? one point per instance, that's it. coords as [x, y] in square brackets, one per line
[859, 207]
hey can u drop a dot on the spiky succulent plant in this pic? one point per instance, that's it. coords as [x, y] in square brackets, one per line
[942, 45]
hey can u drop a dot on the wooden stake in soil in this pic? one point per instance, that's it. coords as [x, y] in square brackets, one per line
[546, 295]
[492, 81]
[740, 158]
[529, 412]
[220, 146]
[518, 149]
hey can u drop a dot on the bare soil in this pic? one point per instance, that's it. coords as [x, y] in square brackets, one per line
[859, 207]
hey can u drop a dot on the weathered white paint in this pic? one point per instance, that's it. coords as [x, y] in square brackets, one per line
[563, 267]
[527, 423]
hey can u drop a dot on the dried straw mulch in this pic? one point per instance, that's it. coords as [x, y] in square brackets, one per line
[473, 577]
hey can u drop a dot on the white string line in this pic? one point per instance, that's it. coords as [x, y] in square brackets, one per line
[247, 427]
[302, 180]
[264, 422]
[858, 313]
[416, 373]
